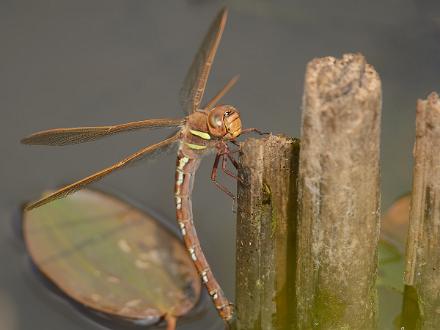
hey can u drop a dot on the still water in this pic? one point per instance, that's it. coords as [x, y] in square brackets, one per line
[65, 63]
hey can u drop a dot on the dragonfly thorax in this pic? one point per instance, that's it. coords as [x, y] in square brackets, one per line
[224, 122]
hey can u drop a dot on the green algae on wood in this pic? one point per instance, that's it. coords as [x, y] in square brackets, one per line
[266, 219]
[112, 257]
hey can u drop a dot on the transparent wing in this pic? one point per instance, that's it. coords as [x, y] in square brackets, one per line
[211, 103]
[65, 136]
[99, 175]
[195, 81]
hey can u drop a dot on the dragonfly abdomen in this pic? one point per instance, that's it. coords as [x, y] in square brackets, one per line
[185, 171]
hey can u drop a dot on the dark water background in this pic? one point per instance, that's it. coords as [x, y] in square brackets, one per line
[75, 63]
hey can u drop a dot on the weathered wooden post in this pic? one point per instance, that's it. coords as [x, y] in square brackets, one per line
[422, 273]
[267, 205]
[338, 223]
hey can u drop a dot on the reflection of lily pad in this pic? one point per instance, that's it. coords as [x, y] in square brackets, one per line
[112, 257]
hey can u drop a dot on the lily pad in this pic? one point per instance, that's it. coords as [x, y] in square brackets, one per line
[396, 220]
[392, 262]
[112, 257]
[391, 267]
[392, 244]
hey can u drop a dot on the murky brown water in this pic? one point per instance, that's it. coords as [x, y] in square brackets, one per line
[65, 63]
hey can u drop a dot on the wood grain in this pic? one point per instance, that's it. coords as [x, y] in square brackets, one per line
[422, 273]
[267, 204]
[338, 223]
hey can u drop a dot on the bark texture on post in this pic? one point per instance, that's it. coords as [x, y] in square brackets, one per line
[338, 223]
[423, 245]
[267, 204]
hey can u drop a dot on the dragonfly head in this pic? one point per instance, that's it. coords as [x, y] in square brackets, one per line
[224, 122]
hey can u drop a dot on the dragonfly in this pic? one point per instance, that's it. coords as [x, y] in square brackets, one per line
[206, 128]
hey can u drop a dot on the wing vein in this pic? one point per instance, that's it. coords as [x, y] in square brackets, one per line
[69, 189]
[195, 81]
[75, 135]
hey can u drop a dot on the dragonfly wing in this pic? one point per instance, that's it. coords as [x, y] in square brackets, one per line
[211, 103]
[195, 81]
[65, 136]
[67, 190]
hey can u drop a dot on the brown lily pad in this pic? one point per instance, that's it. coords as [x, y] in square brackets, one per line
[112, 257]
[395, 221]
[392, 261]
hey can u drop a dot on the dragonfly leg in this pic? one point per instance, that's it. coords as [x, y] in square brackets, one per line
[227, 171]
[230, 152]
[235, 143]
[233, 161]
[256, 130]
[214, 176]
[234, 151]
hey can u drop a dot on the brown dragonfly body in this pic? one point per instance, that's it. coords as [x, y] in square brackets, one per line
[207, 128]
[199, 137]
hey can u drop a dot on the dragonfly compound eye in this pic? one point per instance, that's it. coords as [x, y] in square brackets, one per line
[216, 121]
